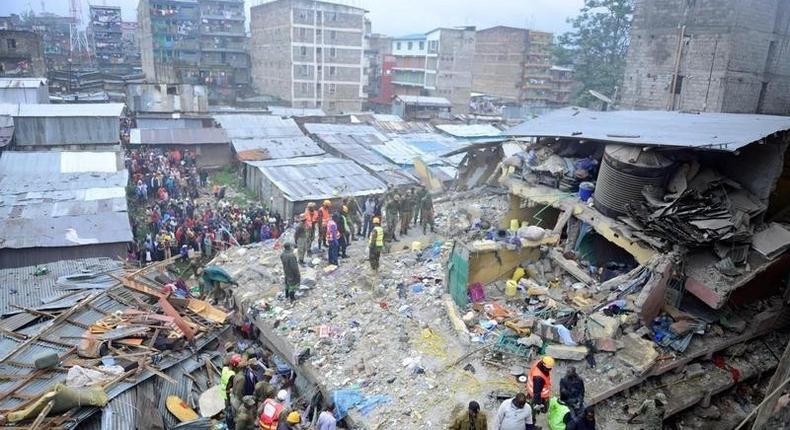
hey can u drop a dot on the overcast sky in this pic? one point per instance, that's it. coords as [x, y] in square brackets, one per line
[393, 17]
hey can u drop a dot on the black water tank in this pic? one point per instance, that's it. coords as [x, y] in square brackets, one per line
[624, 172]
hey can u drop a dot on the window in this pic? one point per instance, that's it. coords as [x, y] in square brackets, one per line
[332, 52]
[332, 88]
[11, 43]
[333, 35]
[422, 46]
[302, 32]
[410, 45]
[303, 51]
[678, 84]
[332, 71]
[172, 90]
[397, 45]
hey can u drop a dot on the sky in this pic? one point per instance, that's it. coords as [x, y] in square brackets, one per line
[392, 17]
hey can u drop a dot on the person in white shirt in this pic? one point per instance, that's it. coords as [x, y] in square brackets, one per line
[515, 414]
[326, 421]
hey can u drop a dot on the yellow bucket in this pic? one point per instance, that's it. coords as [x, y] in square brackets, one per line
[514, 224]
[518, 274]
[416, 246]
[510, 288]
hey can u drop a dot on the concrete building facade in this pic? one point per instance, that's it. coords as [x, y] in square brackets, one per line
[438, 64]
[710, 56]
[379, 63]
[199, 42]
[309, 54]
[106, 37]
[514, 64]
[21, 54]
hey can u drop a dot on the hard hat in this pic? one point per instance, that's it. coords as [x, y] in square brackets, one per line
[235, 360]
[311, 205]
[327, 203]
[294, 418]
[345, 208]
[547, 361]
[376, 220]
[282, 395]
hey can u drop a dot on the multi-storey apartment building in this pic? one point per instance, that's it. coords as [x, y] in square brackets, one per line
[105, 37]
[309, 53]
[196, 42]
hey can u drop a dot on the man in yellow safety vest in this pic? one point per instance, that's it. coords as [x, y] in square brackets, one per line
[376, 244]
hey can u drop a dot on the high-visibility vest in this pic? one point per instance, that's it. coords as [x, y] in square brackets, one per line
[311, 217]
[325, 217]
[545, 393]
[379, 238]
[224, 379]
[270, 415]
[556, 414]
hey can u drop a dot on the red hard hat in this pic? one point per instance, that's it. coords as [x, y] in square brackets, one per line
[235, 360]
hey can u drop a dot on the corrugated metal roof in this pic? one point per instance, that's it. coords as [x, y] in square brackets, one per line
[22, 82]
[470, 130]
[346, 129]
[63, 110]
[716, 131]
[6, 130]
[425, 100]
[22, 287]
[279, 147]
[314, 178]
[245, 126]
[58, 199]
[295, 112]
[179, 136]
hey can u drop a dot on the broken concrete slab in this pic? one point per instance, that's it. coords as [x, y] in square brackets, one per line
[600, 326]
[638, 353]
[772, 241]
[564, 352]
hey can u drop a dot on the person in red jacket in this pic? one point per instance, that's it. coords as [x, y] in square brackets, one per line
[539, 381]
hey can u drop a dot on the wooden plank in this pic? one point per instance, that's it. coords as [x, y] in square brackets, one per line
[571, 267]
[561, 221]
[170, 311]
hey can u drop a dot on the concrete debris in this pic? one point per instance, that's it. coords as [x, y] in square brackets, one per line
[564, 352]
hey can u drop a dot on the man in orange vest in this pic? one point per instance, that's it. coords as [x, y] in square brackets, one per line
[311, 218]
[324, 216]
[271, 410]
[539, 381]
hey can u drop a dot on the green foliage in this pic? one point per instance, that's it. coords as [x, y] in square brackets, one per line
[596, 48]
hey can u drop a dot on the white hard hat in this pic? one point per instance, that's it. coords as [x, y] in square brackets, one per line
[282, 395]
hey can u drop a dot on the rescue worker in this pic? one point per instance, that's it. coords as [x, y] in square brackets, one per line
[472, 419]
[311, 219]
[559, 415]
[237, 391]
[264, 388]
[270, 411]
[391, 208]
[573, 385]
[291, 271]
[290, 421]
[227, 373]
[426, 213]
[515, 414]
[301, 236]
[375, 244]
[418, 198]
[405, 210]
[332, 237]
[587, 420]
[354, 214]
[344, 228]
[539, 381]
[245, 417]
[651, 413]
[324, 217]
[326, 420]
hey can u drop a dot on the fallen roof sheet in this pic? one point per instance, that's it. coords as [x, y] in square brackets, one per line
[425, 100]
[58, 199]
[715, 131]
[277, 147]
[470, 130]
[179, 136]
[22, 287]
[245, 126]
[63, 110]
[314, 178]
[22, 82]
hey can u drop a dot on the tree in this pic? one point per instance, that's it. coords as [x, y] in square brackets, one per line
[597, 46]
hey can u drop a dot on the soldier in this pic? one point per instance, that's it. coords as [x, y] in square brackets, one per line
[426, 213]
[406, 207]
[420, 196]
[391, 208]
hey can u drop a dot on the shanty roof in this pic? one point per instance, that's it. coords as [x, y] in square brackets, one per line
[244, 126]
[6, 130]
[295, 112]
[58, 199]
[63, 110]
[389, 124]
[315, 178]
[715, 131]
[275, 148]
[178, 136]
[470, 130]
[425, 100]
[22, 288]
[343, 129]
[22, 82]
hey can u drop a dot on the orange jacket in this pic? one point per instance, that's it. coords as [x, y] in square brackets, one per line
[271, 414]
[310, 217]
[545, 393]
[324, 214]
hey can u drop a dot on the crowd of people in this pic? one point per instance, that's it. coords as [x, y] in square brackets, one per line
[179, 219]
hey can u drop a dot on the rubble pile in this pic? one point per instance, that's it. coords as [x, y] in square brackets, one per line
[470, 214]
